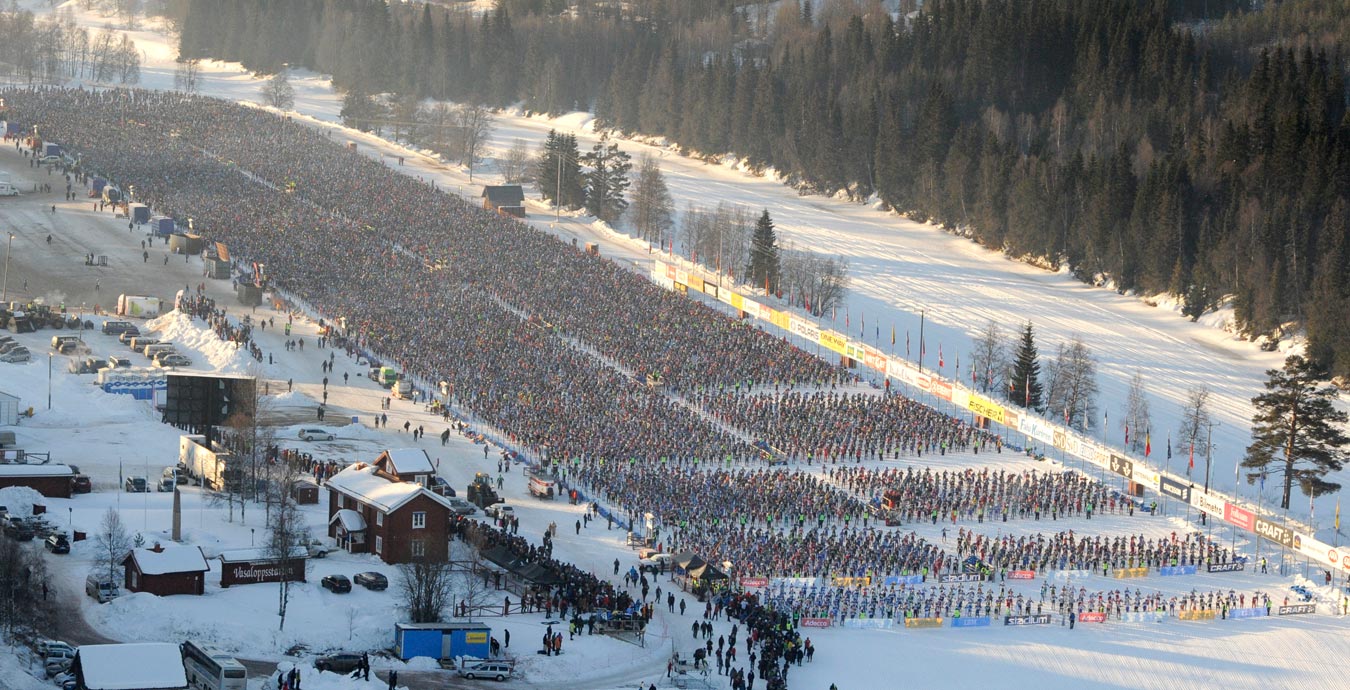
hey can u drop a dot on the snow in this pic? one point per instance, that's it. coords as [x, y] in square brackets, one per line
[144, 666]
[172, 559]
[33, 470]
[19, 500]
[410, 461]
[246, 555]
[350, 520]
[363, 484]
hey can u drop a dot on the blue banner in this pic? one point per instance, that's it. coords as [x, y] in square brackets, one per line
[1258, 612]
[977, 622]
[891, 580]
[1177, 570]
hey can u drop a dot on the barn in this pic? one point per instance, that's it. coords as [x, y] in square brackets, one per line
[507, 198]
[164, 571]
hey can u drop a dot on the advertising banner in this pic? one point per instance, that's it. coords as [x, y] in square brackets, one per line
[1254, 612]
[1146, 476]
[815, 623]
[764, 311]
[979, 622]
[1323, 552]
[794, 582]
[1125, 573]
[781, 319]
[959, 577]
[1070, 574]
[681, 276]
[1033, 619]
[664, 282]
[1277, 533]
[960, 397]
[1170, 570]
[851, 581]
[1198, 615]
[1243, 519]
[1225, 567]
[986, 408]
[866, 623]
[1297, 609]
[1022, 575]
[832, 340]
[1122, 466]
[897, 369]
[893, 580]
[803, 328]
[923, 622]
[941, 389]
[1036, 428]
[754, 582]
[1141, 617]
[1210, 504]
[1175, 489]
[874, 359]
[1092, 617]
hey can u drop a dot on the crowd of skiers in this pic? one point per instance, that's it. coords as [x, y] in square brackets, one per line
[1099, 554]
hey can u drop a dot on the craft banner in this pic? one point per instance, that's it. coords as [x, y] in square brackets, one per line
[1225, 567]
[1297, 609]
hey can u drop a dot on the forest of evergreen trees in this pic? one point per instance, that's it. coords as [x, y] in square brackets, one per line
[1188, 147]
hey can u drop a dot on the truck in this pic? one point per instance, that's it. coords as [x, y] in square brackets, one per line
[543, 485]
[140, 213]
[139, 306]
[212, 467]
[51, 149]
[7, 188]
[481, 492]
[385, 376]
[404, 389]
[112, 194]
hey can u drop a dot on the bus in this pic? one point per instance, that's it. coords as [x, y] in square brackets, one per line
[209, 668]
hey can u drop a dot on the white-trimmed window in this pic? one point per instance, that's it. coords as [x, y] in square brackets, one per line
[419, 548]
[419, 519]
[379, 519]
[379, 544]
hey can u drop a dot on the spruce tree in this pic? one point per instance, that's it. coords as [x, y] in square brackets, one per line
[763, 270]
[607, 180]
[1024, 383]
[1296, 429]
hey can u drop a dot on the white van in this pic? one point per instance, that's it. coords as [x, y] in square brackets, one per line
[7, 188]
[101, 588]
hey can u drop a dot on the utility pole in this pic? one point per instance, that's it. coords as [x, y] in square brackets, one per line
[4, 290]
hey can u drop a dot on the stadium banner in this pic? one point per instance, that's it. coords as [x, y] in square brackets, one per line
[801, 327]
[814, 622]
[851, 581]
[1197, 615]
[832, 340]
[1277, 533]
[738, 302]
[695, 283]
[1297, 609]
[1142, 616]
[1225, 567]
[749, 582]
[671, 272]
[1254, 612]
[1095, 453]
[986, 408]
[1069, 574]
[961, 397]
[1147, 476]
[781, 319]
[712, 290]
[1010, 418]
[874, 358]
[1124, 573]
[1209, 504]
[959, 577]
[1021, 574]
[1036, 428]
[724, 294]
[923, 622]
[922, 381]
[1175, 489]
[765, 312]
[794, 582]
[898, 369]
[1122, 466]
[893, 580]
[681, 276]
[1032, 619]
[1321, 551]
[1066, 441]
[1171, 570]
[1242, 518]
[1092, 617]
[978, 622]
[663, 281]
[941, 389]
[863, 623]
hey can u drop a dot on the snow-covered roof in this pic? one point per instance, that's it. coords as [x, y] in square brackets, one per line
[363, 484]
[409, 461]
[350, 520]
[142, 666]
[22, 470]
[173, 559]
[246, 555]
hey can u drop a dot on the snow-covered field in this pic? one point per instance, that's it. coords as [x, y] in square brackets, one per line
[899, 269]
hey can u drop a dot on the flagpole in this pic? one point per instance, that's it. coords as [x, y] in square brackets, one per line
[921, 318]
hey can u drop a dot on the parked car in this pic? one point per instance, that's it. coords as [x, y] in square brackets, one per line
[45, 646]
[316, 548]
[175, 473]
[459, 506]
[127, 334]
[18, 529]
[119, 362]
[101, 588]
[372, 580]
[442, 487]
[500, 510]
[316, 435]
[136, 485]
[488, 668]
[81, 484]
[118, 327]
[17, 355]
[168, 360]
[58, 661]
[66, 680]
[57, 543]
[337, 584]
[342, 662]
[88, 365]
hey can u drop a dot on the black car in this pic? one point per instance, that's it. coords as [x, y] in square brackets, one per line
[57, 543]
[342, 662]
[336, 584]
[372, 580]
[81, 484]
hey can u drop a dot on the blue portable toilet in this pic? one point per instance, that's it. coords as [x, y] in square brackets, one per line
[442, 640]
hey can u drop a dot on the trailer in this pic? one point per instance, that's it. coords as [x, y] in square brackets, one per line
[138, 306]
[211, 468]
[543, 485]
[51, 149]
[163, 226]
[140, 213]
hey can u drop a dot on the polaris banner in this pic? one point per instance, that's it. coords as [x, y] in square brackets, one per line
[978, 622]
[1034, 619]
[1177, 570]
[1255, 612]
[1225, 567]
[1297, 609]
[960, 577]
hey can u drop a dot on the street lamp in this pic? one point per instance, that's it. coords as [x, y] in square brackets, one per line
[49, 379]
[4, 291]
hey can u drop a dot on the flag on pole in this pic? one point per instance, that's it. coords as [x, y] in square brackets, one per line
[1191, 465]
[906, 343]
[892, 335]
[1148, 442]
[1169, 445]
[1338, 514]
[940, 362]
[1127, 433]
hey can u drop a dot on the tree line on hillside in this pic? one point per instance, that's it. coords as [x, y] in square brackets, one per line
[1115, 138]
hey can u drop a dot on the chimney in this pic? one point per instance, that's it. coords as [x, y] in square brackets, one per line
[157, 548]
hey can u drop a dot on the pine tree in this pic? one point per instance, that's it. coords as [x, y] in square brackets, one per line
[560, 154]
[1296, 429]
[607, 180]
[360, 111]
[763, 270]
[1024, 384]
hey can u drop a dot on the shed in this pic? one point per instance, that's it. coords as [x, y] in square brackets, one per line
[164, 571]
[52, 481]
[505, 195]
[9, 409]
[141, 666]
[442, 640]
[305, 492]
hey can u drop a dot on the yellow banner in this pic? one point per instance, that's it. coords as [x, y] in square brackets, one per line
[851, 581]
[475, 637]
[696, 283]
[923, 622]
[1197, 615]
[781, 319]
[1123, 573]
[834, 341]
[737, 301]
[986, 408]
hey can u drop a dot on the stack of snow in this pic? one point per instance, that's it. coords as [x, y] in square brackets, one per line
[19, 500]
[194, 339]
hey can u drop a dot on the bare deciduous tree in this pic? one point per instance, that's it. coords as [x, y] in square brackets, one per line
[286, 531]
[1072, 390]
[652, 212]
[187, 74]
[474, 123]
[990, 358]
[428, 588]
[23, 607]
[516, 164]
[277, 91]
[112, 543]
[1136, 411]
[1195, 420]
